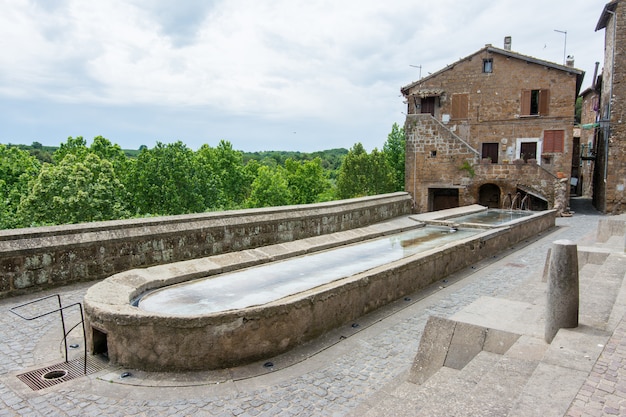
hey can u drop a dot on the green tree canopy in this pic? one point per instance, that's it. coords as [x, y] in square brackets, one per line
[394, 150]
[165, 181]
[306, 180]
[17, 169]
[362, 174]
[74, 190]
[76, 146]
[234, 178]
[270, 188]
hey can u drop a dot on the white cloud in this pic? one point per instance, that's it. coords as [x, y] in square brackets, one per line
[340, 63]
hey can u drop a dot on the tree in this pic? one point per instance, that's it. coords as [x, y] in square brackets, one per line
[234, 179]
[209, 178]
[394, 150]
[380, 175]
[106, 150]
[76, 146]
[362, 174]
[306, 180]
[17, 169]
[352, 179]
[164, 181]
[270, 188]
[74, 190]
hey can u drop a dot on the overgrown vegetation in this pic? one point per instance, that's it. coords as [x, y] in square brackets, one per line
[75, 182]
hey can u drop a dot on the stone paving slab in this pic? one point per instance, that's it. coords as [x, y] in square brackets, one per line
[348, 378]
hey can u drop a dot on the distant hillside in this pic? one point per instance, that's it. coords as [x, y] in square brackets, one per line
[331, 158]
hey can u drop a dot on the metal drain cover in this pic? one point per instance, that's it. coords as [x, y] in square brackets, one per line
[61, 372]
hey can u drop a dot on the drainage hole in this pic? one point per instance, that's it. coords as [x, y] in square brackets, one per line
[56, 374]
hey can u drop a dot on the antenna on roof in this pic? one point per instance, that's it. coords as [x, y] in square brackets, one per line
[564, 32]
[417, 66]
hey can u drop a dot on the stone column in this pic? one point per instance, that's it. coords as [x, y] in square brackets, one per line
[562, 305]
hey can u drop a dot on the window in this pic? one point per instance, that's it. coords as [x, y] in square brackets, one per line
[428, 105]
[490, 150]
[553, 140]
[488, 65]
[535, 102]
[528, 150]
[460, 104]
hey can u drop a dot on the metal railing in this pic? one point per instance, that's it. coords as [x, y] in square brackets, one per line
[61, 310]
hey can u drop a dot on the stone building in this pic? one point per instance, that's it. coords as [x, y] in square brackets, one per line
[610, 174]
[494, 128]
[585, 142]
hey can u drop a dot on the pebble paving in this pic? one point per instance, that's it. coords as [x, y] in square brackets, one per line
[334, 389]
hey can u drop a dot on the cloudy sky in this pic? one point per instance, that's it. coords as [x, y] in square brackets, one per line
[262, 74]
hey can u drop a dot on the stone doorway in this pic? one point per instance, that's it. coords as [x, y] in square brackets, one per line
[489, 195]
[443, 198]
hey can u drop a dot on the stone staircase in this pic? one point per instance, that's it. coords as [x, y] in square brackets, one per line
[491, 359]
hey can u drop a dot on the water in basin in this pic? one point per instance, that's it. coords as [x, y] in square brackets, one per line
[493, 216]
[269, 282]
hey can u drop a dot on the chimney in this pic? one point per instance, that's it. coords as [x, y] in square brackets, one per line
[507, 43]
[569, 62]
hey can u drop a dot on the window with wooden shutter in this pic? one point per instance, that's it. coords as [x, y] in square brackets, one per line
[553, 141]
[460, 105]
[490, 150]
[535, 102]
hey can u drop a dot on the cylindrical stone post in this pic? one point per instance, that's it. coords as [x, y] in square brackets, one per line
[563, 298]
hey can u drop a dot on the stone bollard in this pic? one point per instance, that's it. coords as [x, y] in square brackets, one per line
[562, 305]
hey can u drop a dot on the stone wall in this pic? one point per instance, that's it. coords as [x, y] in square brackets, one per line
[494, 104]
[443, 160]
[491, 120]
[433, 159]
[44, 257]
[614, 91]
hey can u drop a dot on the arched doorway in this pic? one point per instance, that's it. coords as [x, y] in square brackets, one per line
[489, 195]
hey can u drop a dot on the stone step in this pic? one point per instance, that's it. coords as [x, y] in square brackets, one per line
[561, 373]
[489, 385]
[599, 292]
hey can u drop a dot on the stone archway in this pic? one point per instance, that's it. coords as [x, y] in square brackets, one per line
[489, 195]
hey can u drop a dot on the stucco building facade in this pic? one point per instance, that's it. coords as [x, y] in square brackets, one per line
[494, 128]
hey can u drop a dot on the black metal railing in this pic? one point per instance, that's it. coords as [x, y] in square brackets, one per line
[60, 310]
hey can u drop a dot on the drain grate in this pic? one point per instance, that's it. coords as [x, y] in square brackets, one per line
[61, 372]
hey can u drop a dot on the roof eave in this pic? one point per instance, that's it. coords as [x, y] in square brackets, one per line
[604, 17]
[579, 73]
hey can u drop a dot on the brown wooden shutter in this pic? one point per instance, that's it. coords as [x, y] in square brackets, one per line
[553, 141]
[548, 141]
[559, 140]
[544, 100]
[526, 95]
[460, 104]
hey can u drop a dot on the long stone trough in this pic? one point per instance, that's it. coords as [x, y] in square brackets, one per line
[162, 341]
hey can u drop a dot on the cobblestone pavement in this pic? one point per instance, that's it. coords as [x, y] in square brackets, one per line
[604, 393]
[332, 383]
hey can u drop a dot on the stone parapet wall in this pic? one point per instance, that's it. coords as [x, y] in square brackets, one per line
[44, 257]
